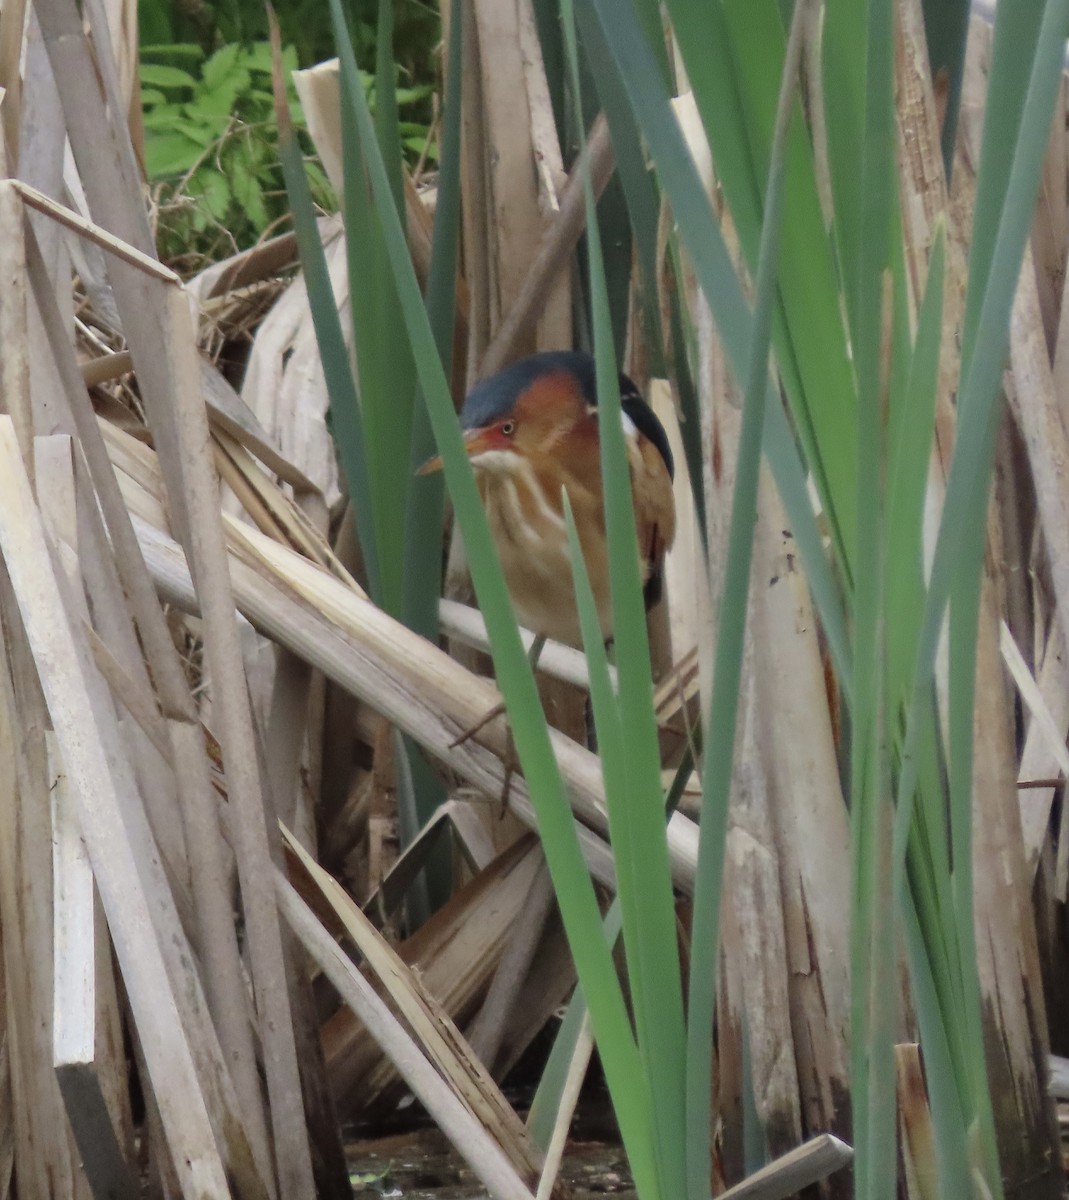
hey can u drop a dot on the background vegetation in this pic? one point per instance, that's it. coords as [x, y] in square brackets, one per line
[211, 141]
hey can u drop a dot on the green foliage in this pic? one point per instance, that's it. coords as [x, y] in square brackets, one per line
[211, 140]
[211, 147]
[305, 25]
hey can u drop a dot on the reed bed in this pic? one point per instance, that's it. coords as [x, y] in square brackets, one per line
[257, 885]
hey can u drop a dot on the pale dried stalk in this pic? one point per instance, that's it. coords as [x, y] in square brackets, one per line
[1007, 952]
[157, 317]
[439, 1038]
[14, 362]
[171, 918]
[1044, 433]
[481, 1152]
[553, 252]
[453, 954]
[514, 227]
[217, 940]
[915, 1121]
[80, 941]
[573, 1082]
[252, 844]
[758, 956]
[488, 1029]
[25, 909]
[12, 24]
[1037, 759]
[470, 839]
[810, 1163]
[687, 590]
[1047, 443]
[124, 250]
[115, 868]
[416, 686]
[74, 1056]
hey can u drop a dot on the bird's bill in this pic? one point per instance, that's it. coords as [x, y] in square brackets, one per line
[476, 442]
[431, 466]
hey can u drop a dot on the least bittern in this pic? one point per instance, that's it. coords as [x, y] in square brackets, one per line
[532, 430]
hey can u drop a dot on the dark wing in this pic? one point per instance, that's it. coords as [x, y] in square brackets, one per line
[655, 513]
[646, 421]
[651, 483]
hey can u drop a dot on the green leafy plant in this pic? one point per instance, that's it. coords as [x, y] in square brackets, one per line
[304, 24]
[211, 145]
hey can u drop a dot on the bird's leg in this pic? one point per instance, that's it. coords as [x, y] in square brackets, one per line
[535, 651]
[533, 654]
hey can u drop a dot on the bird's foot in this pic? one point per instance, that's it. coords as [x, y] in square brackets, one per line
[511, 764]
[483, 721]
[510, 761]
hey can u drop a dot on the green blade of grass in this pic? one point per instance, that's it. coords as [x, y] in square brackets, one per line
[970, 465]
[727, 669]
[571, 880]
[383, 358]
[946, 27]
[872, 1086]
[631, 762]
[547, 1099]
[1012, 56]
[425, 508]
[712, 266]
[948, 1118]
[346, 418]
[843, 79]
[1017, 43]
[387, 385]
[956, 563]
[734, 55]
[910, 436]
[640, 188]
[643, 204]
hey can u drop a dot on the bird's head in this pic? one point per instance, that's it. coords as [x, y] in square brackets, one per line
[544, 405]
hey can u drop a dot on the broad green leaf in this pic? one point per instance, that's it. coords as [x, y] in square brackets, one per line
[222, 98]
[168, 154]
[167, 78]
[204, 131]
[249, 194]
[163, 117]
[221, 64]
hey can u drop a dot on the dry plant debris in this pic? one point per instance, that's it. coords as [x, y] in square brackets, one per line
[173, 666]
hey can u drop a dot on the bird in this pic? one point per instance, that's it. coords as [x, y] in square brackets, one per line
[531, 431]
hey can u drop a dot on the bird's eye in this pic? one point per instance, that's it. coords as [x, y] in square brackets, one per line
[508, 428]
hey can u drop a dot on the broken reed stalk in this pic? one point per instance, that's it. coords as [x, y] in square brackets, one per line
[166, 862]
